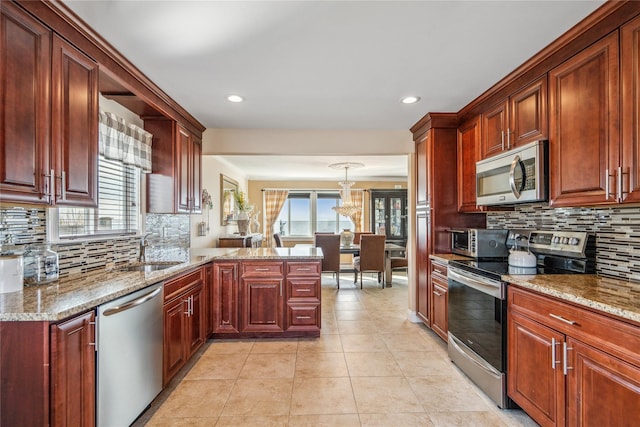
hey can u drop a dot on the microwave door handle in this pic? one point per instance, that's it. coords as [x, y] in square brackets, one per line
[512, 179]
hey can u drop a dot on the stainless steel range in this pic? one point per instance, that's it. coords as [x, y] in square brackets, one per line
[477, 310]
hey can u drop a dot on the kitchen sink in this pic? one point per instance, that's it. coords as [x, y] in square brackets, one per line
[148, 266]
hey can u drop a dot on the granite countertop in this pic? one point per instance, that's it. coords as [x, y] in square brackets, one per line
[74, 294]
[612, 296]
[445, 258]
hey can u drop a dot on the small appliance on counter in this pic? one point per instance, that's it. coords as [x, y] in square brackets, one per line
[11, 273]
[41, 265]
[479, 242]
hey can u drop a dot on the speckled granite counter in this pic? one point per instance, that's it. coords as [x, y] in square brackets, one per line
[445, 258]
[75, 294]
[612, 296]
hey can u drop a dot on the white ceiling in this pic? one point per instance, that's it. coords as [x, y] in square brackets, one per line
[327, 64]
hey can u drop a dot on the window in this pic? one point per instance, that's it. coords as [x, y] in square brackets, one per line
[118, 205]
[306, 212]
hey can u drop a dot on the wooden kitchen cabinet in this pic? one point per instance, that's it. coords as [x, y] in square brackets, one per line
[468, 155]
[516, 120]
[435, 137]
[584, 118]
[303, 288]
[569, 365]
[630, 89]
[262, 295]
[184, 320]
[439, 289]
[49, 112]
[224, 298]
[175, 184]
[73, 375]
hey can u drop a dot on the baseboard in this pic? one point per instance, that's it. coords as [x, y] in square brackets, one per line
[413, 317]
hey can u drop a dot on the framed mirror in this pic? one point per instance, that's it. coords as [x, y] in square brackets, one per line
[228, 188]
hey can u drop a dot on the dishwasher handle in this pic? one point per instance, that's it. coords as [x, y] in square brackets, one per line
[131, 304]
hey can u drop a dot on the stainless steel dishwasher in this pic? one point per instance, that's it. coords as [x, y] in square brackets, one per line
[129, 350]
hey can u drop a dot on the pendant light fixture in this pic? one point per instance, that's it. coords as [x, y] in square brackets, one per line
[348, 207]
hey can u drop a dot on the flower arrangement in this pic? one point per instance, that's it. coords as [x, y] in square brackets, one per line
[241, 200]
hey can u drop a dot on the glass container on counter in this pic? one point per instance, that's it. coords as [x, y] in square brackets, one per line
[41, 265]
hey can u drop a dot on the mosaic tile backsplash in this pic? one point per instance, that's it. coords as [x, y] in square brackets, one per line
[617, 231]
[169, 240]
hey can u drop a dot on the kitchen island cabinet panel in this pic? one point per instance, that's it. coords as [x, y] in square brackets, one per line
[25, 112]
[262, 305]
[73, 378]
[584, 134]
[224, 298]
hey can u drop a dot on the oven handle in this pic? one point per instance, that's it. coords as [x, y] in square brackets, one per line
[484, 287]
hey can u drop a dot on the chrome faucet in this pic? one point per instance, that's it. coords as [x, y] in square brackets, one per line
[144, 242]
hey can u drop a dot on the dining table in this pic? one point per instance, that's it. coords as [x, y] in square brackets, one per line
[390, 249]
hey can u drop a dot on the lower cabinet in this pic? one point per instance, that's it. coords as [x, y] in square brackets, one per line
[184, 320]
[262, 298]
[555, 372]
[439, 288]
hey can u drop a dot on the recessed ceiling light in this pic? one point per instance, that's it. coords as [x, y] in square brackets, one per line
[410, 99]
[235, 98]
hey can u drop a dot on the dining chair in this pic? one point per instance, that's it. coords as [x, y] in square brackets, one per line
[358, 234]
[371, 258]
[278, 240]
[398, 263]
[330, 245]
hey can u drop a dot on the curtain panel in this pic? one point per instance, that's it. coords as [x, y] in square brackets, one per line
[357, 198]
[273, 201]
[124, 142]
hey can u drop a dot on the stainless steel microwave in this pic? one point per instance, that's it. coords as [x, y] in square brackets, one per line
[516, 176]
[479, 242]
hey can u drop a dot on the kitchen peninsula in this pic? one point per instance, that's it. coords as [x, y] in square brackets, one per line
[218, 292]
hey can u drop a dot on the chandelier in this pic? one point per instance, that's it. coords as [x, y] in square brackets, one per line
[348, 208]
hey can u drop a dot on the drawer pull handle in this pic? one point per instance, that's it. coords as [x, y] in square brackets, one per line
[303, 317]
[562, 319]
[565, 362]
[303, 269]
[438, 294]
[262, 269]
[554, 362]
[303, 290]
[226, 322]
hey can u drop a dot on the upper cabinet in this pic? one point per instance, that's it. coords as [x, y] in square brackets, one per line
[468, 155]
[584, 138]
[630, 161]
[49, 110]
[177, 160]
[516, 120]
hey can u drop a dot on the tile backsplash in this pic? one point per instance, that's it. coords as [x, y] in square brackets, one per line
[169, 240]
[617, 231]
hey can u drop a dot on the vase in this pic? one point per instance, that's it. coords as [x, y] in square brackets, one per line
[346, 237]
[243, 223]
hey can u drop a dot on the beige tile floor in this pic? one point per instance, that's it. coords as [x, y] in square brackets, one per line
[370, 367]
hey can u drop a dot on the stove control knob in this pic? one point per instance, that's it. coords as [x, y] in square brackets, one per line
[574, 241]
[556, 239]
[565, 240]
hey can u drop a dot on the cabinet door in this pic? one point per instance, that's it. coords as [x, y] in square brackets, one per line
[262, 302]
[195, 320]
[183, 160]
[25, 77]
[175, 354]
[468, 141]
[528, 119]
[439, 307]
[421, 171]
[422, 266]
[535, 377]
[584, 137]
[209, 299]
[601, 389]
[397, 215]
[630, 48]
[380, 215]
[494, 130]
[224, 298]
[74, 126]
[73, 364]
[196, 176]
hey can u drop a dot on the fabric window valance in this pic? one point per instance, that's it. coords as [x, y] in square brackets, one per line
[125, 142]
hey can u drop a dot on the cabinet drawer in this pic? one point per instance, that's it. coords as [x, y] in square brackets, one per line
[176, 286]
[438, 268]
[262, 269]
[302, 288]
[616, 336]
[303, 268]
[436, 279]
[303, 315]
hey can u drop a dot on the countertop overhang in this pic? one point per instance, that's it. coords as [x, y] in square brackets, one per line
[74, 294]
